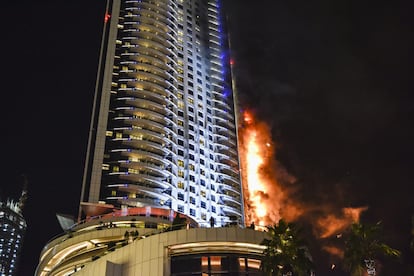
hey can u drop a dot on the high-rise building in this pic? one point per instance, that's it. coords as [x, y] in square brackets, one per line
[163, 130]
[12, 229]
[161, 193]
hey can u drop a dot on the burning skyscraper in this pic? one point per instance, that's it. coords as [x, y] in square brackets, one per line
[162, 151]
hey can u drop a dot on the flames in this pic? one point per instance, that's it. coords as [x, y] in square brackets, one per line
[256, 152]
[269, 189]
[265, 200]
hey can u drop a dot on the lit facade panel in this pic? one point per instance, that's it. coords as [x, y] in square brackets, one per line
[163, 130]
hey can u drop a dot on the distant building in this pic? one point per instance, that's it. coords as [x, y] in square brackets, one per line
[12, 229]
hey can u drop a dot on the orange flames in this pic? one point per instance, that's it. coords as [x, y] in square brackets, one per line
[269, 190]
[256, 151]
[264, 196]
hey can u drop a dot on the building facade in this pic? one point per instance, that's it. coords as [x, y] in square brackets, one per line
[12, 229]
[163, 129]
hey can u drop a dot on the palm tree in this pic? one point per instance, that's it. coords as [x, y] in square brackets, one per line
[286, 252]
[362, 248]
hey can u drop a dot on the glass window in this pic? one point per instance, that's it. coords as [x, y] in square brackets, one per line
[180, 196]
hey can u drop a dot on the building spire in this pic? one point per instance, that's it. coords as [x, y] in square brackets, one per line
[23, 196]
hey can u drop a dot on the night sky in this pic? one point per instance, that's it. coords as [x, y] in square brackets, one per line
[333, 79]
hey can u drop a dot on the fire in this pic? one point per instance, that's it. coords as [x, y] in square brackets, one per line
[256, 149]
[330, 224]
[270, 192]
[264, 197]
[256, 185]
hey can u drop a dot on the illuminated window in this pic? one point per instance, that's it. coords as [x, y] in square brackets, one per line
[180, 185]
[180, 163]
[115, 169]
[181, 173]
[191, 167]
[130, 170]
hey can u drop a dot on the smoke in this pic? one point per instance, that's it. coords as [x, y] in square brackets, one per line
[330, 224]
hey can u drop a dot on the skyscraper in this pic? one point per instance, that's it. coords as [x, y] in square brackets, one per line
[161, 176]
[12, 230]
[163, 130]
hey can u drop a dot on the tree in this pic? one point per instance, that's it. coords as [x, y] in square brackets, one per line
[286, 252]
[362, 248]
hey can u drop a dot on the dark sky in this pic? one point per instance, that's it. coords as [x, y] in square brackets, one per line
[332, 78]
